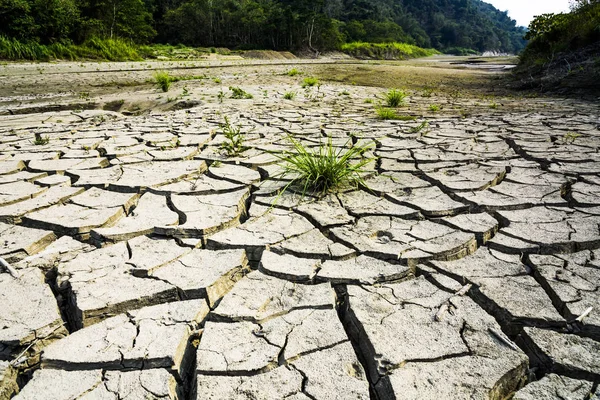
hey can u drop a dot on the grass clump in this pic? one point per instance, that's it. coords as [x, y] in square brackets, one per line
[386, 51]
[239, 93]
[325, 168]
[309, 82]
[421, 127]
[41, 140]
[234, 139]
[395, 98]
[434, 108]
[289, 95]
[386, 113]
[163, 80]
[293, 72]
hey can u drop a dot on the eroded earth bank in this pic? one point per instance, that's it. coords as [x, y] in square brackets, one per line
[143, 262]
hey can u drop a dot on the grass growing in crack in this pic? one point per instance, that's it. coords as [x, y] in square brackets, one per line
[234, 139]
[293, 72]
[289, 95]
[434, 108]
[239, 93]
[325, 168]
[421, 127]
[40, 141]
[309, 82]
[570, 137]
[395, 98]
[163, 80]
[386, 113]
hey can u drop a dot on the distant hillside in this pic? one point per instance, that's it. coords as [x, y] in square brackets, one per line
[564, 50]
[457, 26]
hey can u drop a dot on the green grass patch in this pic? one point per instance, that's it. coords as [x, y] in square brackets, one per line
[395, 98]
[386, 113]
[325, 168]
[293, 72]
[309, 82]
[163, 80]
[239, 93]
[386, 51]
[289, 95]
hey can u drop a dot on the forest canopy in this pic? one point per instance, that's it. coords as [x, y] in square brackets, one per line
[447, 25]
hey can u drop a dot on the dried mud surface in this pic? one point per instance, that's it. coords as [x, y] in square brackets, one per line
[144, 262]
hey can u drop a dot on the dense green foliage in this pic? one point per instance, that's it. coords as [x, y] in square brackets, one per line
[550, 34]
[564, 50]
[316, 25]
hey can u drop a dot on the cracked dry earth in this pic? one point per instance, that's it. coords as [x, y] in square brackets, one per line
[147, 265]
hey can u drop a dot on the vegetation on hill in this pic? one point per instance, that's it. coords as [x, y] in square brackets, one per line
[69, 28]
[564, 49]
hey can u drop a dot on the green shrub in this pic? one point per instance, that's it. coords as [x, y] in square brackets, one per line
[293, 72]
[395, 98]
[163, 80]
[325, 168]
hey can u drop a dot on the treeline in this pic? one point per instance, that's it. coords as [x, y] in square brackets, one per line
[264, 24]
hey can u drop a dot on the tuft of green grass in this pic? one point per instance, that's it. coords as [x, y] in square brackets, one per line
[570, 137]
[234, 143]
[309, 82]
[326, 168]
[293, 72]
[421, 127]
[163, 80]
[395, 98]
[493, 105]
[434, 108]
[387, 113]
[289, 95]
[386, 51]
[239, 93]
[40, 141]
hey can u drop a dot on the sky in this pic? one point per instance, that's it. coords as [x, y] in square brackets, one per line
[524, 10]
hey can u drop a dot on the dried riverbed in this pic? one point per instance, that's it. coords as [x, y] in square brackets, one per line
[148, 264]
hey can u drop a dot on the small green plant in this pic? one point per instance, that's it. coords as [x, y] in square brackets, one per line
[395, 98]
[293, 72]
[368, 100]
[570, 137]
[289, 95]
[217, 80]
[309, 82]
[434, 108]
[221, 96]
[185, 91]
[163, 80]
[416, 129]
[493, 106]
[234, 140]
[239, 93]
[325, 168]
[40, 141]
[387, 113]
[345, 93]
